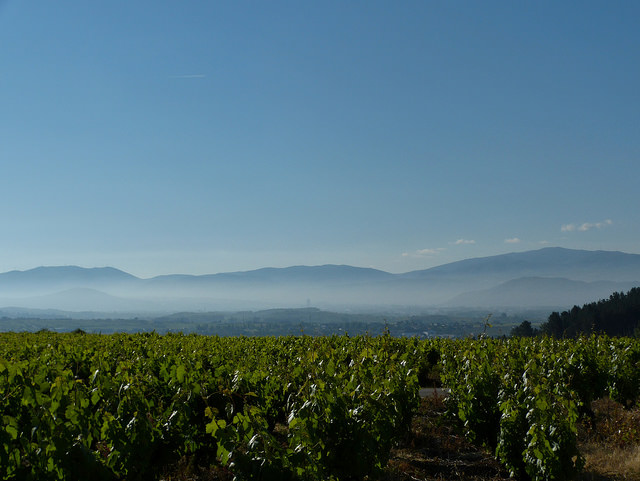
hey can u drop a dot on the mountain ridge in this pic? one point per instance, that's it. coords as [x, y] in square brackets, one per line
[476, 262]
[557, 257]
[537, 291]
[331, 285]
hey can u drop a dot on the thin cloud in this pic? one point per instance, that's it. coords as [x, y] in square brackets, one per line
[424, 252]
[586, 226]
[513, 240]
[464, 241]
[598, 225]
[429, 252]
[198, 75]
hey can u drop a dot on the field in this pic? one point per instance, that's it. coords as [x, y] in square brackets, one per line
[176, 407]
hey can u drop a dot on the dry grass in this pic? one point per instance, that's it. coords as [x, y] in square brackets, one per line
[611, 447]
[615, 464]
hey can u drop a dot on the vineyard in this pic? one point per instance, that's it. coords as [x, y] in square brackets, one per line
[131, 407]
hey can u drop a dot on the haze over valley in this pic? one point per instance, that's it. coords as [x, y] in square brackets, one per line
[549, 278]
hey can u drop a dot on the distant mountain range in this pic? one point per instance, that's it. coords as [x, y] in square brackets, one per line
[553, 277]
[540, 292]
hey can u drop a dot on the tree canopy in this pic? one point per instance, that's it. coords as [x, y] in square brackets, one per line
[617, 316]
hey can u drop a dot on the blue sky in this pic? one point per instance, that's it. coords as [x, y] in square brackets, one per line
[202, 137]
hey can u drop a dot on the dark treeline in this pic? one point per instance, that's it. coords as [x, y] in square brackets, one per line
[617, 316]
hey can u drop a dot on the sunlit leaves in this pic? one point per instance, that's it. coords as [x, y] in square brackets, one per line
[127, 406]
[264, 407]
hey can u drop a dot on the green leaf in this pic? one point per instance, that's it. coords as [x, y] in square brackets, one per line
[180, 372]
[212, 428]
[12, 431]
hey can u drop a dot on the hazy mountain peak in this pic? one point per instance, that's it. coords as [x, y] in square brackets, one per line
[70, 271]
[546, 262]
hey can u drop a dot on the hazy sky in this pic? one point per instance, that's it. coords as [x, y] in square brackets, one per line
[208, 136]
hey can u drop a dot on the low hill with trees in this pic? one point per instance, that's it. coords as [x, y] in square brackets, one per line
[619, 315]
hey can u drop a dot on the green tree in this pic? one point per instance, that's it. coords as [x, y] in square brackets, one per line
[525, 329]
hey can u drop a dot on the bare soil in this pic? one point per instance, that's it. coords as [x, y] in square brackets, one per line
[436, 450]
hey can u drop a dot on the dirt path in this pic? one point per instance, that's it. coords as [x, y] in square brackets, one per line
[434, 392]
[436, 451]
